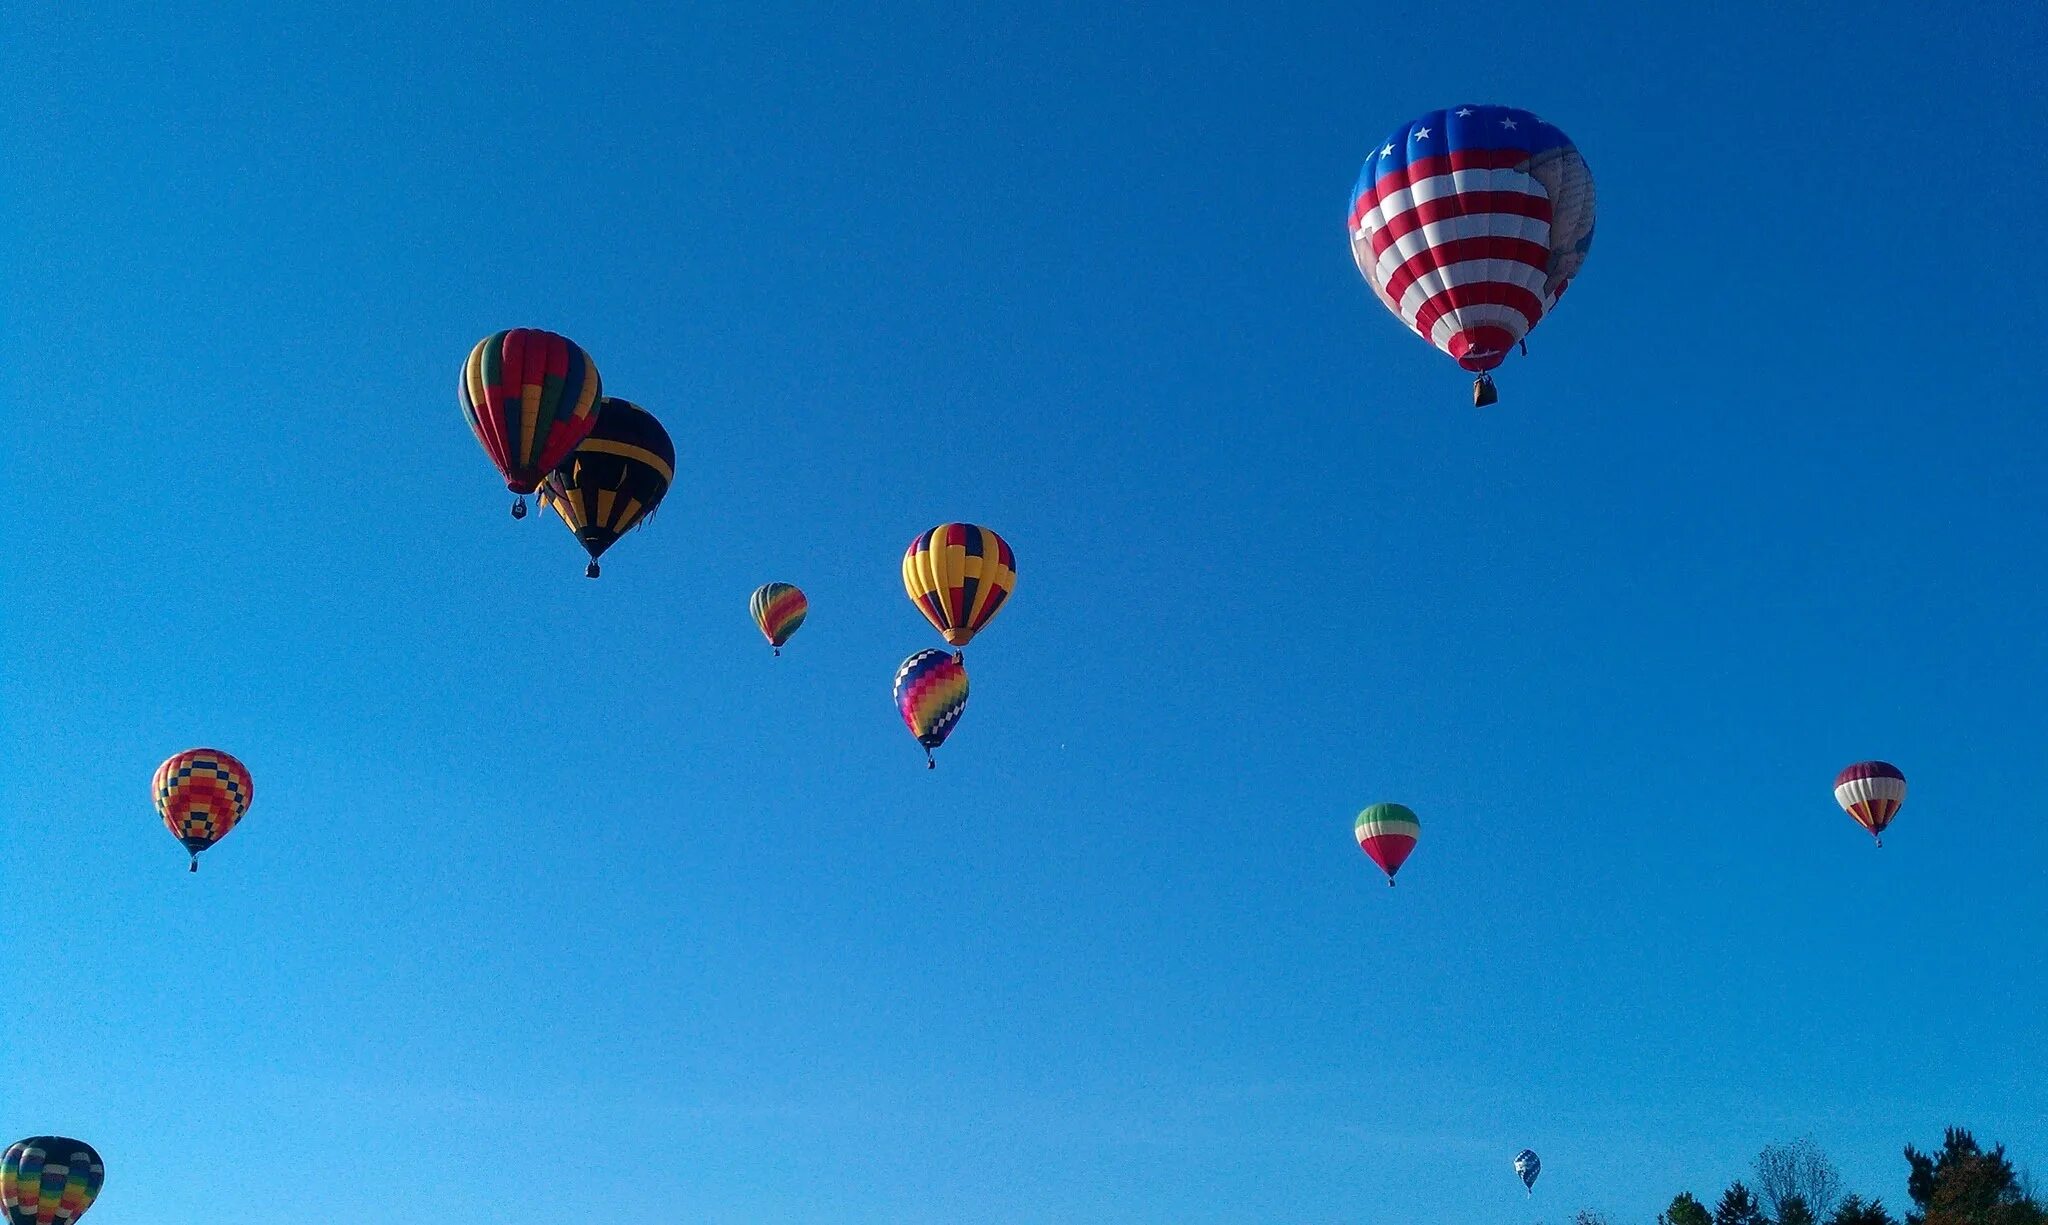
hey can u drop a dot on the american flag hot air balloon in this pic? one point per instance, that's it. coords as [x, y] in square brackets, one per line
[1469, 223]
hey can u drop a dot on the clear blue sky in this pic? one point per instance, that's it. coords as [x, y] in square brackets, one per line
[561, 895]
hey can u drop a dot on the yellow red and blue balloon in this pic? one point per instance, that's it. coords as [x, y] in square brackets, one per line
[959, 576]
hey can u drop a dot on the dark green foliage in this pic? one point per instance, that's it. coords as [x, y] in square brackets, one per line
[1739, 1207]
[1685, 1210]
[1792, 1210]
[1853, 1211]
[1964, 1185]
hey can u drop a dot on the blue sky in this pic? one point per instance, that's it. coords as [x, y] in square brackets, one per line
[561, 896]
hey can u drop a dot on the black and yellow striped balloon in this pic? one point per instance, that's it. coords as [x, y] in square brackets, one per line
[614, 479]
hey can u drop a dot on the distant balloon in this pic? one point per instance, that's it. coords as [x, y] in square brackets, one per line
[779, 610]
[613, 480]
[931, 691]
[49, 1180]
[959, 575]
[1872, 792]
[1468, 224]
[1387, 833]
[1527, 1166]
[529, 397]
[201, 794]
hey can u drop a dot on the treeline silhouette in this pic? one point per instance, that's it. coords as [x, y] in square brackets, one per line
[1961, 1183]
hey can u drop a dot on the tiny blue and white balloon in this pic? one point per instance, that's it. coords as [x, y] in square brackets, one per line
[1527, 1166]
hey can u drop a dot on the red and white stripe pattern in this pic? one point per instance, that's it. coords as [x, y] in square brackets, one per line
[1452, 227]
[1872, 792]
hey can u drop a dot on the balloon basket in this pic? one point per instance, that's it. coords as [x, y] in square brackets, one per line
[590, 571]
[519, 507]
[1483, 392]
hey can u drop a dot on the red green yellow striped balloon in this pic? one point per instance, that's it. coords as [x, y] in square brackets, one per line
[779, 609]
[201, 794]
[47, 1180]
[529, 397]
[1387, 833]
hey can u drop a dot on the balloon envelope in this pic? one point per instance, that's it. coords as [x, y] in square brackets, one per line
[931, 692]
[614, 478]
[529, 397]
[1469, 223]
[1387, 834]
[1527, 1166]
[779, 610]
[201, 794]
[45, 1180]
[1872, 792]
[959, 575]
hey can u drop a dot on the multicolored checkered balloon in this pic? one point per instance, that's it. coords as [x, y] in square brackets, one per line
[931, 691]
[201, 794]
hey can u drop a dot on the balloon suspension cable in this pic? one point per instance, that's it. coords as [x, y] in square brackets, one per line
[1483, 393]
[590, 571]
[519, 507]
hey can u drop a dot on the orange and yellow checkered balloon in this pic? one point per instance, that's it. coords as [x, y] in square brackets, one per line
[201, 794]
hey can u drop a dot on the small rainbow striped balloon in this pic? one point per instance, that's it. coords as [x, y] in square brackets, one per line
[201, 794]
[931, 691]
[46, 1180]
[1872, 792]
[1387, 833]
[779, 609]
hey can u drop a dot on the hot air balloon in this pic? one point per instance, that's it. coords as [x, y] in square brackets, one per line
[931, 691]
[529, 397]
[614, 479]
[45, 1180]
[1527, 1166]
[1387, 833]
[1468, 224]
[201, 794]
[1872, 792]
[958, 575]
[779, 609]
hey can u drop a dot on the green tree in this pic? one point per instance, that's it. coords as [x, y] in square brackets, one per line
[1685, 1210]
[1962, 1184]
[1792, 1210]
[1739, 1207]
[1853, 1211]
